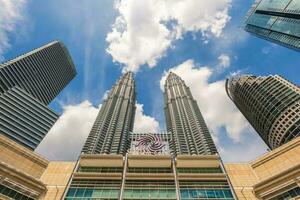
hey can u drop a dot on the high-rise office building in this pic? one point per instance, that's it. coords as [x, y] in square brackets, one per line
[270, 103]
[276, 21]
[118, 164]
[42, 73]
[184, 120]
[28, 84]
[110, 132]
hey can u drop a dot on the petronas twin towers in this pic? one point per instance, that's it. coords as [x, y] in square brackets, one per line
[110, 132]
[188, 132]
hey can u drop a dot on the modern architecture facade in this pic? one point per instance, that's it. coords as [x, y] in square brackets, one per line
[276, 21]
[117, 163]
[184, 120]
[270, 103]
[149, 171]
[42, 72]
[28, 84]
[110, 132]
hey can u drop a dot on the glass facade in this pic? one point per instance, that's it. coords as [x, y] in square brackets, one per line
[28, 84]
[101, 169]
[199, 170]
[270, 103]
[149, 170]
[149, 190]
[8, 192]
[277, 21]
[205, 190]
[94, 189]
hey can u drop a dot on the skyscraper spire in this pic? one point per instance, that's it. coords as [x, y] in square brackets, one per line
[189, 132]
[110, 132]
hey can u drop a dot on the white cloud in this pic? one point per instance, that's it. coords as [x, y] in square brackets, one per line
[11, 14]
[145, 29]
[66, 138]
[224, 61]
[218, 110]
[144, 123]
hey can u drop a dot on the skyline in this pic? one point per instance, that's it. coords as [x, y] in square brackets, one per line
[192, 56]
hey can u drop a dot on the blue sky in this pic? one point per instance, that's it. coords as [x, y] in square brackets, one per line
[203, 41]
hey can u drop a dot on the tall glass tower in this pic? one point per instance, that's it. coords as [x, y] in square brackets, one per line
[42, 73]
[28, 84]
[270, 103]
[110, 132]
[276, 20]
[184, 120]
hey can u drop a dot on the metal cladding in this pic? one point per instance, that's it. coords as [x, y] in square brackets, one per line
[110, 132]
[23, 118]
[28, 84]
[184, 120]
[42, 73]
[270, 103]
[276, 21]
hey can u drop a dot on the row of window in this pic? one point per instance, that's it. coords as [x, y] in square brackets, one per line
[150, 193]
[149, 170]
[295, 192]
[94, 193]
[101, 169]
[199, 170]
[161, 193]
[6, 191]
[192, 193]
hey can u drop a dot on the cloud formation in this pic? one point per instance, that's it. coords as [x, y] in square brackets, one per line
[11, 13]
[218, 110]
[66, 138]
[144, 123]
[144, 30]
[224, 60]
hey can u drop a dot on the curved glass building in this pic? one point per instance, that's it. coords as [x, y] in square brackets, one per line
[270, 103]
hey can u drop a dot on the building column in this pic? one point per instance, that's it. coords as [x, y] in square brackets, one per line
[71, 178]
[228, 180]
[123, 177]
[175, 178]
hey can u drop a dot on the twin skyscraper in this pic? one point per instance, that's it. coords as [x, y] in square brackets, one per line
[271, 104]
[110, 133]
